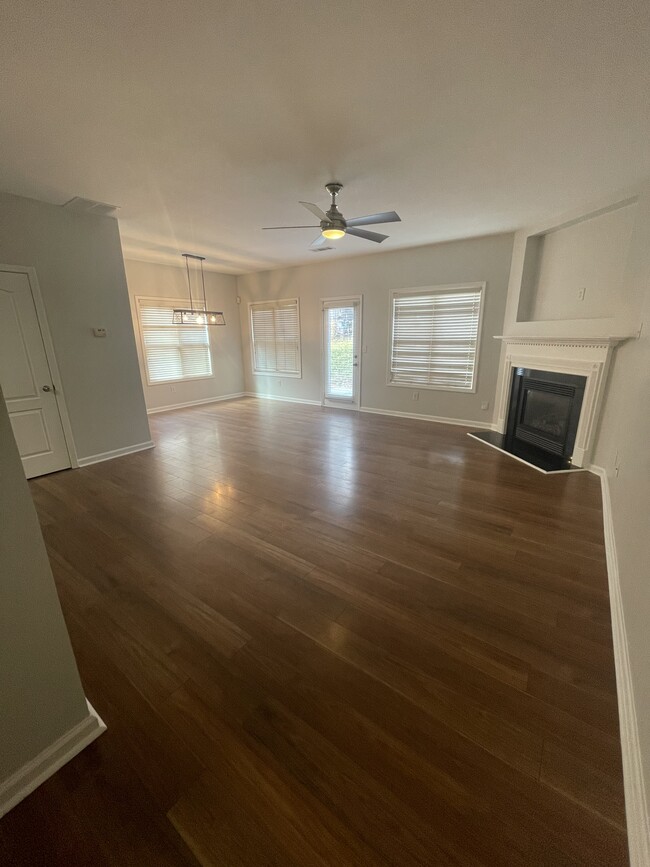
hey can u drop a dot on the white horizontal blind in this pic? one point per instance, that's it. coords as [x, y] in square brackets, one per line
[435, 338]
[275, 330]
[172, 352]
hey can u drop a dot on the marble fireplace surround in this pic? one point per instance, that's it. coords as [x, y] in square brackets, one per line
[581, 356]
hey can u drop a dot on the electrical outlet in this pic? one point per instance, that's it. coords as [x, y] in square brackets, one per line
[581, 293]
[365, 349]
[172, 388]
[485, 404]
[416, 395]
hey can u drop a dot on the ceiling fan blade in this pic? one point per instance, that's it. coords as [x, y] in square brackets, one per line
[384, 217]
[266, 228]
[316, 211]
[320, 241]
[369, 236]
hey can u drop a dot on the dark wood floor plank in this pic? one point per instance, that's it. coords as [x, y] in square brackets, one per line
[322, 637]
[590, 786]
[303, 829]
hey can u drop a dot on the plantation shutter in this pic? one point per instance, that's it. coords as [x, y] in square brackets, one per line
[172, 352]
[275, 330]
[435, 338]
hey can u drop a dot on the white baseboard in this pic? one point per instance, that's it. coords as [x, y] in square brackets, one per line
[30, 776]
[156, 409]
[636, 808]
[440, 419]
[116, 453]
[436, 418]
[284, 399]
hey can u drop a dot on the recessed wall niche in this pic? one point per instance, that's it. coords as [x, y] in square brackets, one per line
[577, 270]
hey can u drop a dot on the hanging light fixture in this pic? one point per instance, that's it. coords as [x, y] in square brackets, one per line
[196, 314]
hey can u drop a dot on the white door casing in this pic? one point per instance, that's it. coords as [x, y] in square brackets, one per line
[341, 373]
[26, 377]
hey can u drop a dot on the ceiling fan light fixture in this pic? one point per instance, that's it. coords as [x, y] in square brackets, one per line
[333, 226]
[333, 234]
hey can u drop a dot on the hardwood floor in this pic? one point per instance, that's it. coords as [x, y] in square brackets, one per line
[329, 638]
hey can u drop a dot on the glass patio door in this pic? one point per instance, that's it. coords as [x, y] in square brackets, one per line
[341, 360]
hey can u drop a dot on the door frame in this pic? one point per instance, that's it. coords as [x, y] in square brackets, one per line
[358, 299]
[50, 355]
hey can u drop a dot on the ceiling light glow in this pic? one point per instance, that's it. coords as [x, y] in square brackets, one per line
[333, 234]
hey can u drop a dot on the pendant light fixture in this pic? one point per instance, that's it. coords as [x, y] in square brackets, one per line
[196, 314]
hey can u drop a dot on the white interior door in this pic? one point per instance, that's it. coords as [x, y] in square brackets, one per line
[26, 380]
[341, 356]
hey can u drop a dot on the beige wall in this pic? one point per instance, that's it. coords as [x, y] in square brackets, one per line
[165, 281]
[78, 262]
[624, 440]
[375, 276]
[40, 692]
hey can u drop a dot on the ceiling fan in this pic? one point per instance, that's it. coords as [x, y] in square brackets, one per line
[333, 225]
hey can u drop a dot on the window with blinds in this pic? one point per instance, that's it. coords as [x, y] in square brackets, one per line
[172, 353]
[435, 336]
[275, 337]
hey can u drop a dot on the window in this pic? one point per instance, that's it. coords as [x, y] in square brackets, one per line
[172, 353]
[435, 336]
[275, 337]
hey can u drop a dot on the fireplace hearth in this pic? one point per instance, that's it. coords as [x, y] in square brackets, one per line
[543, 416]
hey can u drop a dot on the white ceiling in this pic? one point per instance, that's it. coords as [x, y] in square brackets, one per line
[205, 120]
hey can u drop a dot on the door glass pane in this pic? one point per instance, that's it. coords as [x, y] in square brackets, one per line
[339, 326]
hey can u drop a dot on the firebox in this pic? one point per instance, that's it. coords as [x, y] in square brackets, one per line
[545, 410]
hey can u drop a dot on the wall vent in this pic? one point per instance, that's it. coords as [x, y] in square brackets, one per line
[88, 206]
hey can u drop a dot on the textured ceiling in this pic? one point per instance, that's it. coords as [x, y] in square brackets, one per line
[205, 121]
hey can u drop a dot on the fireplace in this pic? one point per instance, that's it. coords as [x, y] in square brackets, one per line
[544, 412]
[543, 419]
[583, 361]
[552, 425]
[543, 416]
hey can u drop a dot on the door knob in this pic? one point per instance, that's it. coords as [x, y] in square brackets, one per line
[46, 388]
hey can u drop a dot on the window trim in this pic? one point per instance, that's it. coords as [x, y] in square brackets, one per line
[281, 374]
[175, 302]
[429, 290]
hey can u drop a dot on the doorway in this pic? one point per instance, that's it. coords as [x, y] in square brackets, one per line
[28, 376]
[341, 352]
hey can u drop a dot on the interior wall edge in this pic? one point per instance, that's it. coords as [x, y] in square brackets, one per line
[27, 778]
[155, 410]
[636, 809]
[439, 419]
[283, 399]
[374, 410]
[115, 453]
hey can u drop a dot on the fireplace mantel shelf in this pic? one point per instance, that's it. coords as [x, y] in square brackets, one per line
[531, 340]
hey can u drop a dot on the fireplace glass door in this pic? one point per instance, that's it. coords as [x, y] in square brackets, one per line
[545, 410]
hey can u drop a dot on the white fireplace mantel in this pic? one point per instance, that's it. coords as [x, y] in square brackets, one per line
[581, 356]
